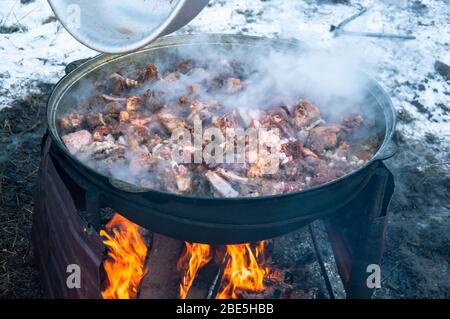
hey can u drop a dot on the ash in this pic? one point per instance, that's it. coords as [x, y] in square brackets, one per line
[34, 49]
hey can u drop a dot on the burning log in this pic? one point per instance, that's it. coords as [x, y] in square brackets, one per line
[194, 257]
[243, 271]
[127, 250]
[162, 281]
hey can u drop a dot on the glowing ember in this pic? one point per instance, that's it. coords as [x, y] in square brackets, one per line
[126, 255]
[198, 256]
[243, 271]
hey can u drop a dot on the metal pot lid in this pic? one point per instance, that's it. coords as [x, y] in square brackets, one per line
[117, 26]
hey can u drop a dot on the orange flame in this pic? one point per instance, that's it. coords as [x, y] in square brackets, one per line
[126, 255]
[243, 271]
[199, 255]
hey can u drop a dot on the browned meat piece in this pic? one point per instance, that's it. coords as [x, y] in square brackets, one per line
[291, 186]
[120, 83]
[133, 144]
[220, 185]
[100, 132]
[143, 121]
[352, 121]
[278, 118]
[172, 77]
[94, 120]
[308, 154]
[192, 88]
[113, 108]
[154, 140]
[104, 151]
[305, 112]
[260, 168]
[271, 187]
[232, 177]
[184, 100]
[234, 85]
[124, 116]
[170, 121]
[151, 72]
[152, 101]
[293, 148]
[322, 138]
[116, 158]
[140, 163]
[291, 171]
[75, 141]
[323, 175]
[71, 122]
[140, 133]
[183, 178]
[133, 103]
[228, 120]
[163, 152]
[110, 98]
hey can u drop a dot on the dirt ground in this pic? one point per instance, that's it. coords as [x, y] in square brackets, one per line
[416, 260]
[21, 129]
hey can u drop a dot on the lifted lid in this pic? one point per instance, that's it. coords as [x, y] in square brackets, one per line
[119, 26]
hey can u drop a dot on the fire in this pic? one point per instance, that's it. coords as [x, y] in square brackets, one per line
[198, 256]
[127, 251]
[243, 271]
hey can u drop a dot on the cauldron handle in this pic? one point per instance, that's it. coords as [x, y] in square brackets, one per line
[387, 150]
[74, 65]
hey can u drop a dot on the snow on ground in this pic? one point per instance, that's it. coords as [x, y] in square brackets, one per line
[40, 47]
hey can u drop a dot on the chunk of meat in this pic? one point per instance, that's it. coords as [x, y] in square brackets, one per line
[75, 141]
[220, 185]
[184, 100]
[100, 133]
[71, 122]
[133, 103]
[110, 98]
[139, 132]
[305, 112]
[170, 121]
[183, 179]
[352, 121]
[140, 163]
[322, 138]
[113, 108]
[278, 118]
[233, 177]
[152, 102]
[323, 176]
[234, 85]
[124, 116]
[94, 120]
[228, 120]
[151, 72]
[142, 121]
[121, 83]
